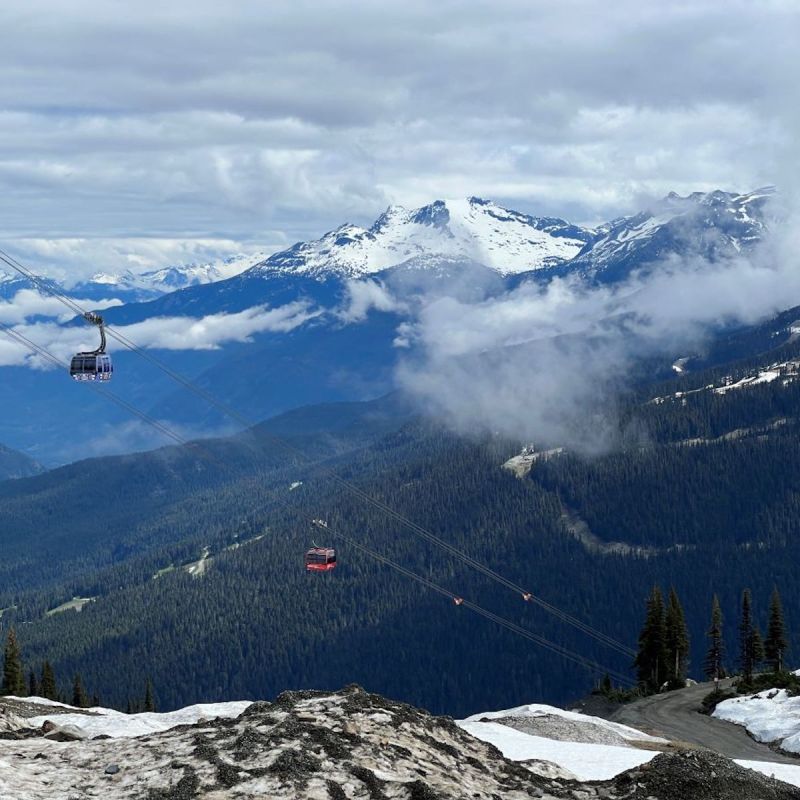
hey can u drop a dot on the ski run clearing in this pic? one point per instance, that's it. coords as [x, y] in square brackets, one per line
[76, 604]
[786, 372]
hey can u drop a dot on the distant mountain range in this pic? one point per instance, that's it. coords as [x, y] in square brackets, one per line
[14, 464]
[708, 225]
[472, 249]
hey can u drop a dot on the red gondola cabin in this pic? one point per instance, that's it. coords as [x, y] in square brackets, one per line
[320, 559]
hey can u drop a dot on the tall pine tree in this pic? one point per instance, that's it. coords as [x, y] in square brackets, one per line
[47, 685]
[713, 665]
[149, 701]
[776, 642]
[758, 648]
[747, 641]
[13, 675]
[677, 641]
[33, 684]
[651, 660]
[79, 697]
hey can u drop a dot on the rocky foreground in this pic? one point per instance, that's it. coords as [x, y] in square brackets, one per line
[317, 745]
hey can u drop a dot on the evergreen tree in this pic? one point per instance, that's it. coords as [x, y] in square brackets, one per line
[79, 697]
[716, 649]
[47, 685]
[746, 637]
[759, 653]
[677, 641]
[33, 684]
[776, 643]
[149, 702]
[13, 675]
[651, 660]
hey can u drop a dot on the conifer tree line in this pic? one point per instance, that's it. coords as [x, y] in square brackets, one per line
[44, 684]
[662, 659]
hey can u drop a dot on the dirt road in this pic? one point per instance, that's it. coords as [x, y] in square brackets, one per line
[674, 715]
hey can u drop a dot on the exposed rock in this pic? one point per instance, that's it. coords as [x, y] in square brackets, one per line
[63, 733]
[348, 745]
[699, 775]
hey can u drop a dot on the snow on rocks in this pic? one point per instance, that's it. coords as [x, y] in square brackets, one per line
[313, 745]
[107, 722]
[585, 761]
[352, 745]
[474, 230]
[588, 747]
[768, 716]
[566, 726]
[38, 712]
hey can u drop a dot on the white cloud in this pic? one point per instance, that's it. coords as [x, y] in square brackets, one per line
[214, 330]
[541, 362]
[363, 296]
[264, 124]
[28, 303]
[70, 260]
[166, 333]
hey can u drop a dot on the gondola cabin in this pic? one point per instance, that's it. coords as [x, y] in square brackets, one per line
[91, 367]
[320, 559]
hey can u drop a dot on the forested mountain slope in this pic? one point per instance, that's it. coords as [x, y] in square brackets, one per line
[704, 480]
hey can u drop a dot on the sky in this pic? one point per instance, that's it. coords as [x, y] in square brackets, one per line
[133, 136]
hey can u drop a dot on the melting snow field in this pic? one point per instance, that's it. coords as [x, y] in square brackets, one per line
[585, 761]
[574, 745]
[769, 716]
[596, 761]
[107, 722]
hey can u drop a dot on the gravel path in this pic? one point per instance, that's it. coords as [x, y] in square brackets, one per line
[675, 715]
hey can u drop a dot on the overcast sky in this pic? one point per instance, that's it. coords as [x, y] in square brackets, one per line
[172, 131]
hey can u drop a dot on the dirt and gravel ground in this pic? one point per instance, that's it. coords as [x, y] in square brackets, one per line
[675, 716]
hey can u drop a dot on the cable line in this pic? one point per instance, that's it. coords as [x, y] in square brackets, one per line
[31, 345]
[412, 526]
[560, 650]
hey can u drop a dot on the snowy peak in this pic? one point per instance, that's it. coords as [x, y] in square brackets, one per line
[472, 230]
[708, 224]
[143, 286]
[179, 277]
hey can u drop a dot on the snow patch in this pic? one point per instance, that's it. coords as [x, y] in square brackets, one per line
[768, 716]
[586, 761]
[107, 722]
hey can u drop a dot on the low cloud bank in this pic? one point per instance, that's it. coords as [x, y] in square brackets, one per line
[363, 297]
[542, 363]
[167, 333]
[28, 303]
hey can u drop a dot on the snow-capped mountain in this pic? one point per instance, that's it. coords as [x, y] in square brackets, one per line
[347, 348]
[473, 230]
[145, 286]
[710, 225]
[139, 287]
